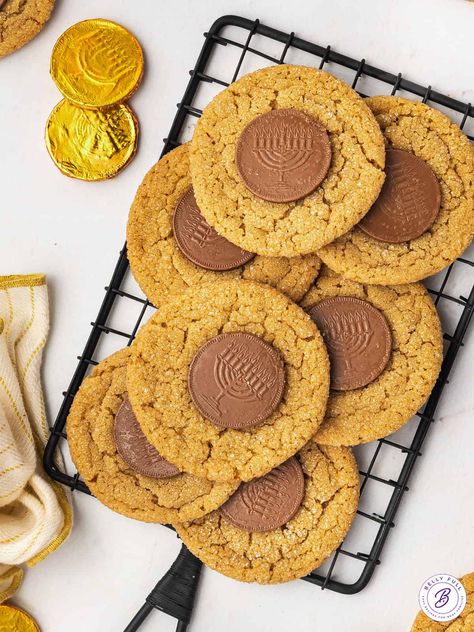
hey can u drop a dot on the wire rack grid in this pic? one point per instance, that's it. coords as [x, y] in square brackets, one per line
[232, 47]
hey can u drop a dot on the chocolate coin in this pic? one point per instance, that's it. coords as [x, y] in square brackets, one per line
[236, 380]
[408, 203]
[200, 243]
[268, 502]
[283, 155]
[97, 63]
[134, 447]
[358, 339]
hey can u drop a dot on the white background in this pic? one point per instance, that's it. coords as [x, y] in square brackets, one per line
[73, 231]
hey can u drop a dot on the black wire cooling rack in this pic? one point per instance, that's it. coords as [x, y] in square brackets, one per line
[232, 47]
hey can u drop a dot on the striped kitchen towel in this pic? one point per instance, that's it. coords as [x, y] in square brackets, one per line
[35, 513]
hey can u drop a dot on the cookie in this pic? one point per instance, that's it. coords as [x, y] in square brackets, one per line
[93, 446]
[21, 21]
[158, 379]
[331, 493]
[346, 192]
[430, 136]
[386, 403]
[463, 623]
[158, 263]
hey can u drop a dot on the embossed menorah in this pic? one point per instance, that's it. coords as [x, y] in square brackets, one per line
[199, 231]
[283, 149]
[97, 51]
[258, 498]
[349, 336]
[117, 137]
[409, 196]
[238, 375]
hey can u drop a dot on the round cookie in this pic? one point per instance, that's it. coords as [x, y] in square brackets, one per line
[90, 430]
[430, 135]
[302, 544]
[157, 379]
[158, 264]
[352, 183]
[384, 405]
[21, 21]
[463, 623]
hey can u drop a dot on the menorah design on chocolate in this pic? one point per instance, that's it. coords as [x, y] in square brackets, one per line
[98, 51]
[239, 375]
[262, 495]
[409, 194]
[282, 148]
[348, 336]
[197, 230]
[106, 134]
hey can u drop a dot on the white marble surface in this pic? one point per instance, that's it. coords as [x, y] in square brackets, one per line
[73, 232]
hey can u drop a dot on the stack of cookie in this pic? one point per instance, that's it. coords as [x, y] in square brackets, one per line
[232, 414]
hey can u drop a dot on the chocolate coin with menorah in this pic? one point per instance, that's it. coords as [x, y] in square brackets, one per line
[408, 203]
[268, 502]
[134, 447]
[358, 339]
[236, 380]
[200, 243]
[97, 63]
[283, 155]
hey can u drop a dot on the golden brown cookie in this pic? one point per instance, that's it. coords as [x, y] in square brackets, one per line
[299, 546]
[287, 229]
[20, 21]
[161, 268]
[463, 623]
[384, 405]
[157, 379]
[430, 135]
[93, 449]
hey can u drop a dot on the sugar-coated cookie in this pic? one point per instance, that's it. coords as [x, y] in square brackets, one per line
[346, 192]
[159, 370]
[161, 267]
[429, 135]
[90, 428]
[383, 405]
[331, 493]
[21, 21]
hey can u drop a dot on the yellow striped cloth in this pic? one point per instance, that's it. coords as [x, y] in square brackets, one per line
[35, 513]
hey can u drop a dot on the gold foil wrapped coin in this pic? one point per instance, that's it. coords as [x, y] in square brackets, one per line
[14, 619]
[91, 144]
[97, 63]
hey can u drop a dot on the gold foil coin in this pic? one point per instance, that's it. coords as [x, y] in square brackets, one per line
[91, 144]
[97, 63]
[14, 619]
